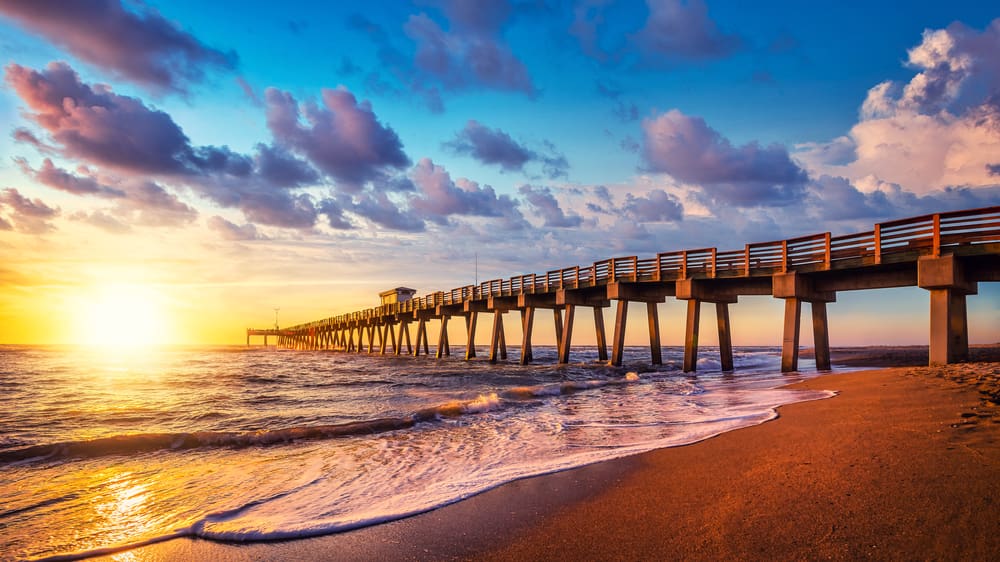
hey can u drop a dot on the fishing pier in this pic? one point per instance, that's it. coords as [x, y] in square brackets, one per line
[948, 254]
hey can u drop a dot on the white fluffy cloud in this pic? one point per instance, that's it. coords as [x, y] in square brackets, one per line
[939, 130]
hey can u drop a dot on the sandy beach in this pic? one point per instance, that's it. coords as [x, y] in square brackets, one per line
[903, 464]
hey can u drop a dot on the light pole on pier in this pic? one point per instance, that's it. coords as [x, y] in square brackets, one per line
[276, 318]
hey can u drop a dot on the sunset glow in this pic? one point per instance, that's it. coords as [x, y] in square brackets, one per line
[123, 316]
[171, 177]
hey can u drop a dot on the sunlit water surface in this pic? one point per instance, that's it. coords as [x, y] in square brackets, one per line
[101, 450]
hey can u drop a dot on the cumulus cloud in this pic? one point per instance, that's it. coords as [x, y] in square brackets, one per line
[97, 125]
[467, 53]
[29, 216]
[232, 231]
[655, 206]
[122, 134]
[378, 208]
[280, 168]
[496, 147]
[940, 129]
[140, 45]
[343, 137]
[542, 200]
[439, 197]
[471, 54]
[692, 152]
[57, 178]
[681, 30]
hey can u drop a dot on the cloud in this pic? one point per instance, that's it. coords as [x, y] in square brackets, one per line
[495, 147]
[438, 197]
[542, 200]
[25, 215]
[940, 129]
[102, 220]
[97, 125]
[378, 208]
[51, 175]
[692, 152]
[343, 137]
[471, 54]
[280, 168]
[680, 30]
[232, 231]
[93, 124]
[490, 146]
[869, 199]
[655, 206]
[141, 46]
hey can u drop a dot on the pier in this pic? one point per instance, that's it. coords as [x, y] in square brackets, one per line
[948, 254]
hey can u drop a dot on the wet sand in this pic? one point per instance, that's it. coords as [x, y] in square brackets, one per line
[903, 464]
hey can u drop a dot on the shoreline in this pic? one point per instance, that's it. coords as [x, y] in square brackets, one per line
[903, 463]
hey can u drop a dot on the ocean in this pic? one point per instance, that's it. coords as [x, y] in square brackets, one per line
[102, 450]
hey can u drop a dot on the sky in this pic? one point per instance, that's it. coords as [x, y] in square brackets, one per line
[176, 171]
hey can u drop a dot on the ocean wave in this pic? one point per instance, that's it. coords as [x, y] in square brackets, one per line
[131, 444]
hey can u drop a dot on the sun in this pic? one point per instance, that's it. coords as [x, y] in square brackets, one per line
[124, 316]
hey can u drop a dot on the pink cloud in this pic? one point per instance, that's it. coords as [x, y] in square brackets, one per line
[141, 45]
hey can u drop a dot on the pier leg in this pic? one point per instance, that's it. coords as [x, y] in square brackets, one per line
[691, 336]
[527, 322]
[383, 334]
[790, 339]
[725, 336]
[654, 333]
[404, 330]
[361, 339]
[567, 335]
[427, 347]
[470, 329]
[557, 317]
[497, 334]
[442, 349]
[949, 340]
[371, 339]
[821, 336]
[503, 344]
[602, 340]
[618, 345]
[421, 334]
[391, 330]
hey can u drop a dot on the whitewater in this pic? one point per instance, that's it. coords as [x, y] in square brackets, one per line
[104, 450]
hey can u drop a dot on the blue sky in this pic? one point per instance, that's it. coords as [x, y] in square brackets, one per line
[240, 144]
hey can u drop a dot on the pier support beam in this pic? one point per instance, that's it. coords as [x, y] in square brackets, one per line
[567, 334]
[496, 342]
[945, 278]
[725, 336]
[442, 348]
[821, 335]
[618, 345]
[656, 357]
[470, 330]
[421, 337]
[527, 323]
[691, 335]
[602, 339]
[790, 337]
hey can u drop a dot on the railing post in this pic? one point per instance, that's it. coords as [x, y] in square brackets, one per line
[714, 254]
[826, 254]
[611, 270]
[635, 268]
[937, 236]
[746, 261]
[684, 264]
[878, 244]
